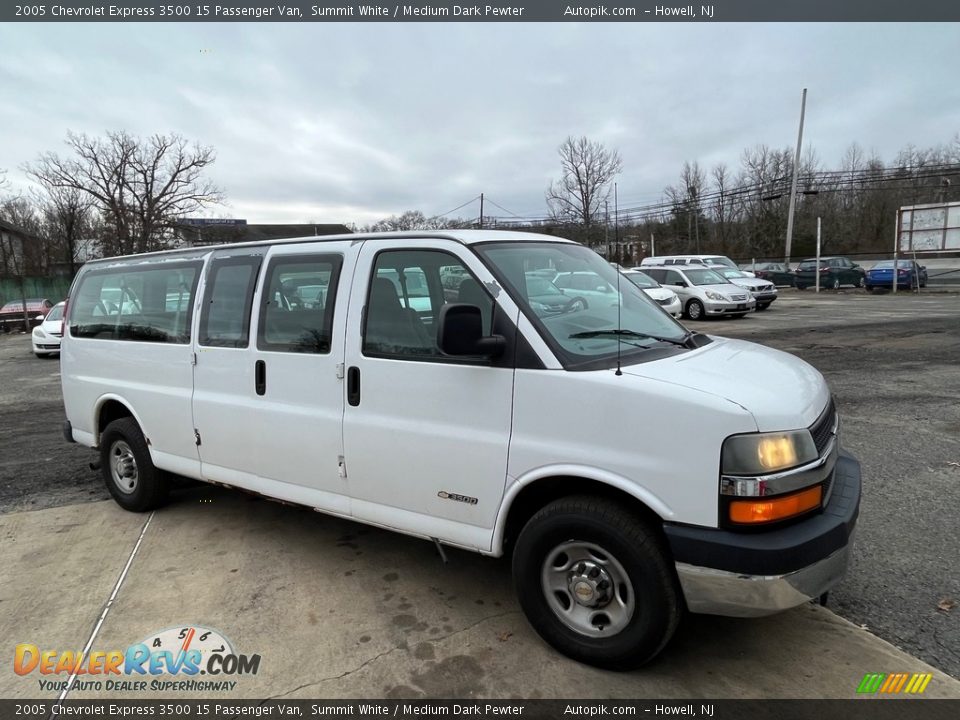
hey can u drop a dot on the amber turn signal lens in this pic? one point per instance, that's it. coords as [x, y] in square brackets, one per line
[748, 512]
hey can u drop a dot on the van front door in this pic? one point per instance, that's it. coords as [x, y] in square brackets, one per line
[425, 435]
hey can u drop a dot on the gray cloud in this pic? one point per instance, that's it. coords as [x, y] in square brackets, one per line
[349, 123]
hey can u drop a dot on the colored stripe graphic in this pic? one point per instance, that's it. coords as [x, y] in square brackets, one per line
[894, 683]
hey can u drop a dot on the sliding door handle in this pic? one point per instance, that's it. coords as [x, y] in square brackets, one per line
[353, 386]
[260, 377]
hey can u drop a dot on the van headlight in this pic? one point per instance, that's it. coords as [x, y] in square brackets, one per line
[716, 296]
[762, 453]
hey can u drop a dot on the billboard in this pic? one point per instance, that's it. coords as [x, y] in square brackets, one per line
[928, 228]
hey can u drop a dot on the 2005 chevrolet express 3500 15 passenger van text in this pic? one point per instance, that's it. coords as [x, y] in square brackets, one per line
[630, 466]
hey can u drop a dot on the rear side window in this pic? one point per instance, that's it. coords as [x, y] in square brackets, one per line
[144, 304]
[227, 301]
[296, 313]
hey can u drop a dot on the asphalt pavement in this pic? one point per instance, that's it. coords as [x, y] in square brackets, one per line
[342, 610]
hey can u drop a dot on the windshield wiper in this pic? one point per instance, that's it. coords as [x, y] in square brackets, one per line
[632, 334]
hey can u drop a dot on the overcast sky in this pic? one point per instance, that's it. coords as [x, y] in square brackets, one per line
[354, 122]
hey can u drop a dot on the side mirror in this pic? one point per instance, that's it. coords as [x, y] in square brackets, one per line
[39, 318]
[923, 267]
[460, 332]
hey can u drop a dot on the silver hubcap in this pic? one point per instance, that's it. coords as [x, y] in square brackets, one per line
[694, 311]
[123, 467]
[587, 589]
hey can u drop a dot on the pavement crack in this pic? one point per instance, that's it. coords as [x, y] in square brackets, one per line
[376, 657]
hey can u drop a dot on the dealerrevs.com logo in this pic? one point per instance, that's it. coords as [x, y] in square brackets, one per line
[170, 660]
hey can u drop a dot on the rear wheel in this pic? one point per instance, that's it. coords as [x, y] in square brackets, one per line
[594, 581]
[127, 469]
[695, 310]
[835, 284]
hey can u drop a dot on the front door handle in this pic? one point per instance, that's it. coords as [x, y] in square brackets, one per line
[260, 377]
[353, 386]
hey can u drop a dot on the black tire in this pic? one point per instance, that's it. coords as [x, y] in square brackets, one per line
[800, 287]
[630, 546]
[763, 306]
[127, 469]
[694, 310]
[577, 301]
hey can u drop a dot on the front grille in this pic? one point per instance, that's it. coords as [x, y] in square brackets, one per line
[738, 297]
[822, 429]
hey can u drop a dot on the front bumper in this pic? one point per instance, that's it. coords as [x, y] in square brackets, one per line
[765, 298]
[715, 307]
[761, 573]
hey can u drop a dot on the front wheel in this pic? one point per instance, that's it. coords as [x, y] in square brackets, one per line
[835, 284]
[763, 306]
[695, 310]
[127, 469]
[862, 282]
[594, 581]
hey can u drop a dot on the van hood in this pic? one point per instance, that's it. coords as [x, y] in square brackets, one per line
[729, 289]
[660, 293]
[781, 391]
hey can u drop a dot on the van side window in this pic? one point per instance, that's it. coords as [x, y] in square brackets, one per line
[228, 297]
[296, 309]
[148, 305]
[407, 290]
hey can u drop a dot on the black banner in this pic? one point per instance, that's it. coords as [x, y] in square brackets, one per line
[497, 11]
[861, 709]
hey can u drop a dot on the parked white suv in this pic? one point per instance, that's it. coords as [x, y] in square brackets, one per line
[703, 291]
[470, 419]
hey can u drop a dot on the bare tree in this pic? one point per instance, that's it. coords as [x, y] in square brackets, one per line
[587, 171]
[67, 223]
[141, 186]
[414, 220]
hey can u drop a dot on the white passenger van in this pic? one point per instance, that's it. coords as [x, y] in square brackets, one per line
[630, 467]
[697, 260]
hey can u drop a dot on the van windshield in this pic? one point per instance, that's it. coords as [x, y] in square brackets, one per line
[582, 326]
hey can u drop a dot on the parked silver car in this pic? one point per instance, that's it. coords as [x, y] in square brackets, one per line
[764, 291]
[703, 291]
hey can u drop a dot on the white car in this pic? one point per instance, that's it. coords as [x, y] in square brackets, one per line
[46, 335]
[763, 291]
[703, 291]
[705, 260]
[667, 299]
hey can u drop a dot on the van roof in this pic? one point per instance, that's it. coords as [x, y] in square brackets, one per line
[467, 237]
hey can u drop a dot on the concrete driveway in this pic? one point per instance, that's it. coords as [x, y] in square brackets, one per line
[340, 610]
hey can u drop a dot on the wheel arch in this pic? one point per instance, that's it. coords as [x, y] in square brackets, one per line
[109, 408]
[528, 495]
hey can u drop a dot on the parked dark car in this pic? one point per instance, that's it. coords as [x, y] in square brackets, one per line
[11, 314]
[777, 273]
[834, 272]
[909, 274]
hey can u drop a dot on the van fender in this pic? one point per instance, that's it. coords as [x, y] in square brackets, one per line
[587, 472]
[95, 420]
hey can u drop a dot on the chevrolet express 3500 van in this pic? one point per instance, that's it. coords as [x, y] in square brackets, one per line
[631, 467]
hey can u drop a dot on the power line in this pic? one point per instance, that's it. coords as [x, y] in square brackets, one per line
[472, 200]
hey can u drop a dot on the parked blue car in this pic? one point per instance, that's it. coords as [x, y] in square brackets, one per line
[908, 274]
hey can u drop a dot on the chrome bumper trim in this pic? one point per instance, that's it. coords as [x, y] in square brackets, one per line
[718, 592]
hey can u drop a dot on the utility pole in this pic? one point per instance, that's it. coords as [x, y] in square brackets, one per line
[793, 184]
[481, 211]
